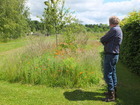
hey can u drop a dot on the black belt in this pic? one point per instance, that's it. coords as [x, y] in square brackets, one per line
[112, 53]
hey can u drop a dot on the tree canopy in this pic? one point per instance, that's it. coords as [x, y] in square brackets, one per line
[56, 16]
[13, 19]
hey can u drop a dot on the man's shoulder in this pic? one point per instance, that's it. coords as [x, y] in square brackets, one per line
[113, 29]
[117, 28]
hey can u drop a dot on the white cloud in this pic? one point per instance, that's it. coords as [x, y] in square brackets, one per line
[90, 11]
[36, 8]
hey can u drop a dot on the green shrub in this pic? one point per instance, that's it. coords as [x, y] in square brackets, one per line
[130, 49]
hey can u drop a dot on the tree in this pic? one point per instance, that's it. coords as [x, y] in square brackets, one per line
[13, 19]
[55, 16]
[36, 25]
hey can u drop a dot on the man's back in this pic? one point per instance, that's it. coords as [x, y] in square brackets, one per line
[112, 40]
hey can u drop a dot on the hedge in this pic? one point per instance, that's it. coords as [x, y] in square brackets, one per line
[130, 48]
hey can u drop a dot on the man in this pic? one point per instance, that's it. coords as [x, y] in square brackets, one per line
[111, 41]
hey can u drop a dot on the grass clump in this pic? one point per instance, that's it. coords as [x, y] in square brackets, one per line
[41, 62]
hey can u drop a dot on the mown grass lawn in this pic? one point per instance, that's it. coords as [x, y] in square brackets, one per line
[26, 94]
[4, 46]
[19, 94]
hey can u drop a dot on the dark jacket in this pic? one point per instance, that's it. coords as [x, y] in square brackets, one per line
[112, 40]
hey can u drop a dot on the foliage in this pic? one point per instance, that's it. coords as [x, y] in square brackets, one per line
[13, 19]
[36, 25]
[70, 31]
[97, 27]
[130, 49]
[55, 16]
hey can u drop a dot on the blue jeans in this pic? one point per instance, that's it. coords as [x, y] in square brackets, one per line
[110, 77]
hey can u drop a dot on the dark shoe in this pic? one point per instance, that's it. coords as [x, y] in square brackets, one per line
[111, 97]
[107, 93]
[115, 89]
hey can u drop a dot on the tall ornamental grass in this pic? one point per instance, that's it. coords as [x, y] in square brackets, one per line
[67, 65]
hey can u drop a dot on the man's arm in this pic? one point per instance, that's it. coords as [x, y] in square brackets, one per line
[108, 36]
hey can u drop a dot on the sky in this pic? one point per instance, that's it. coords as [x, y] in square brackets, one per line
[90, 11]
